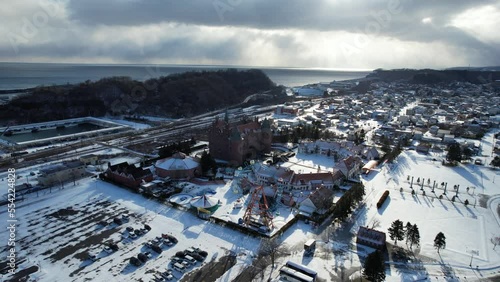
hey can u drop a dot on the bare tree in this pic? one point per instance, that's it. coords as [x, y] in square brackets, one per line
[375, 223]
[495, 241]
[272, 248]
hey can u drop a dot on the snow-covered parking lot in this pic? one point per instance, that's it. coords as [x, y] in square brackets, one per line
[58, 231]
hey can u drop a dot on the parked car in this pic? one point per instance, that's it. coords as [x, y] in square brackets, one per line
[197, 257]
[135, 261]
[92, 257]
[147, 227]
[149, 244]
[148, 255]
[125, 217]
[108, 250]
[157, 249]
[137, 232]
[190, 259]
[167, 242]
[180, 261]
[167, 275]
[113, 247]
[132, 236]
[130, 229]
[159, 279]
[170, 238]
[117, 221]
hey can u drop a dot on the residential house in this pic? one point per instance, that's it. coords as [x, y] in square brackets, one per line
[350, 167]
[371, 237]
[370, 153]
[128, 174]
[273, 175]
[320, 201]
[310, 181]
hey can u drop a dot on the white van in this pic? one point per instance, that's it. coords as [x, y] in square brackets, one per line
[190, 259]
[179, 267]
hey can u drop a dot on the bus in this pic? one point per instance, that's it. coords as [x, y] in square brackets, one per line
[302, 269]
[288, 274]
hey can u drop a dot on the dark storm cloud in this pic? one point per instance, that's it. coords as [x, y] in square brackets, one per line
[397, 19]
[321, 15]
[254, 32]
[178, 47]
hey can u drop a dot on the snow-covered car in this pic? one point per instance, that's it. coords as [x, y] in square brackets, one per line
[108, 250]
[167, 242]
[132, 236]
[167, 275]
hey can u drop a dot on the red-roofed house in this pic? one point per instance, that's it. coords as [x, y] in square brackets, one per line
[350, 167]
[371, 237]
[310, 181]
[320, 201]
[128, 175]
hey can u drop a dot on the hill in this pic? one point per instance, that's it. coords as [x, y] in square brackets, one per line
[177, 95]
[429, 76]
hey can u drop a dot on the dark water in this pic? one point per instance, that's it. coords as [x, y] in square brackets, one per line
[27, 75]
[48, 133]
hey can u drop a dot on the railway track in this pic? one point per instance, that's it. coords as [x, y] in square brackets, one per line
[123, 139]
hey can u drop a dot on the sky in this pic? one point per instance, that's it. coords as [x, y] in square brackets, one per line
[332, 34]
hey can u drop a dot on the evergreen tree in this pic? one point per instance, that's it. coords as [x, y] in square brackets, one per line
[396, 231]
[467, 153]
[495, 162]
[207, 163]
[374, 269]
[414, 236]
[454, 153]
[440, 241]
[408, 228]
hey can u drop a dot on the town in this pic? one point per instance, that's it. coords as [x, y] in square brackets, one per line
[359, 179]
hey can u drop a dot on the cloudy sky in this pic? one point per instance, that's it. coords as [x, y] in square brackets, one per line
[338, 34]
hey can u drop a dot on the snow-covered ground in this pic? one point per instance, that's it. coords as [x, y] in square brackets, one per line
[59, 244]
[468, 229]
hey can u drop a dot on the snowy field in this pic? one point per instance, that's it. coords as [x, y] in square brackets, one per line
[468, 229]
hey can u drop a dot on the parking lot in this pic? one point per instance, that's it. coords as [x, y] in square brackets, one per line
[100, 232]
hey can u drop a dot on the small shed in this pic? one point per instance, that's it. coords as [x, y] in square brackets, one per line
[369, 166]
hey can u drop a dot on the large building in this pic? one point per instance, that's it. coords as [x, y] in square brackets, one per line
[59, 173]
[236, 143]
[179, 166]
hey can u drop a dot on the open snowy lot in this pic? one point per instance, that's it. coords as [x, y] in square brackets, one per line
[57, 231]
[468, 229]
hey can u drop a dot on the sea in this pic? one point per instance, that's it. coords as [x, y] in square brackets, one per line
[28, 75]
